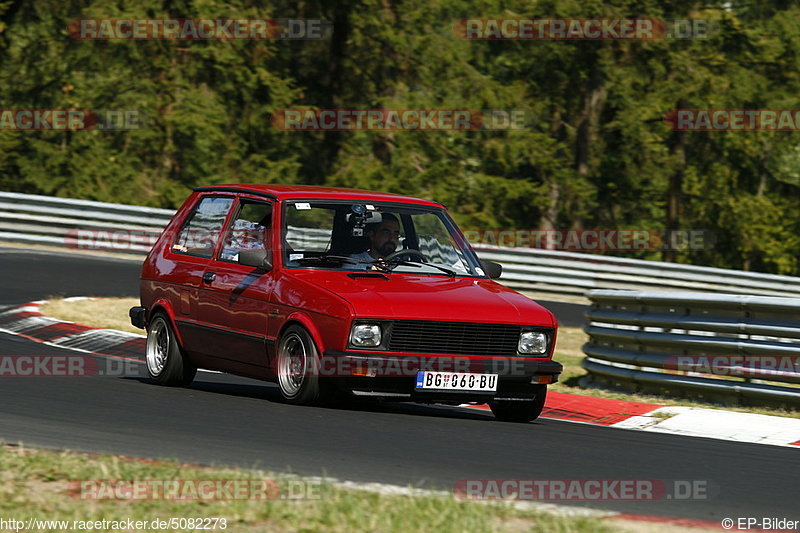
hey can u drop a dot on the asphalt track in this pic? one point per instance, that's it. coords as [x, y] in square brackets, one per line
[233, 421]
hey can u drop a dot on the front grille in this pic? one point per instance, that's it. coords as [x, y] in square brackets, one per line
[462, 338]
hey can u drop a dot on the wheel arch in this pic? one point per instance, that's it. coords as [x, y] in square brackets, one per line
[305, 322]
[162, 305]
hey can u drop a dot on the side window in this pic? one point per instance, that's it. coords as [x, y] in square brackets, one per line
[250, 229]
[199, 234]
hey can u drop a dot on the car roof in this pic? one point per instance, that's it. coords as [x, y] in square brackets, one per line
[310, 192]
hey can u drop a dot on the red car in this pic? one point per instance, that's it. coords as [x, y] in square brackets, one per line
[328, 291]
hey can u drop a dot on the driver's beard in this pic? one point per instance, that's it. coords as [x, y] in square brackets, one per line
[387, 248]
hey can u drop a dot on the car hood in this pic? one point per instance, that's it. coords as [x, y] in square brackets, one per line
[419, 297]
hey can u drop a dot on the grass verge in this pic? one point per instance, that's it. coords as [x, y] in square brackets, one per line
[105, 313]
[36, 484]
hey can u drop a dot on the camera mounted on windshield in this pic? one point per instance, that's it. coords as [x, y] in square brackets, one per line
[361, 216]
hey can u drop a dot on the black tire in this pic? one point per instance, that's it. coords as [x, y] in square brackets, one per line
[524, 411]
[298, 367]
[165, 361]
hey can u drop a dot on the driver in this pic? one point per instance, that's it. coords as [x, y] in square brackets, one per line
[384, 236]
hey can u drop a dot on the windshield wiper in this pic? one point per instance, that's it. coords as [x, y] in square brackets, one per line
[449, 272]
[343, 259]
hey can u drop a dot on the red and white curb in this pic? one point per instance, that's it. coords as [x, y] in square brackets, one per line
[718, 424]
[677, 420]
[27, 321]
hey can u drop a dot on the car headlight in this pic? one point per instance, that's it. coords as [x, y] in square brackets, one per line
[365, 335]
[532, 342]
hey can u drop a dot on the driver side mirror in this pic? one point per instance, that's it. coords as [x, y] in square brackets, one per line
[255, 258]
[492, 269]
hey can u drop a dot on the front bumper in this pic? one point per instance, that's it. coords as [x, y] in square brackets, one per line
[394, 376]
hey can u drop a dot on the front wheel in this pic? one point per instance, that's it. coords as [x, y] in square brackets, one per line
[166, 363]
[520, 411]
[298, 367]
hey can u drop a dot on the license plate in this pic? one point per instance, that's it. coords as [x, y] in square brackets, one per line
[458, 381]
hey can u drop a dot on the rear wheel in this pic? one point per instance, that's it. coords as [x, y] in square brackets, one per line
[166, 363]
[520, 411]
[298, 367]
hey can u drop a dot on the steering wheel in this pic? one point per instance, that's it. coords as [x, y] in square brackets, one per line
[406, 251]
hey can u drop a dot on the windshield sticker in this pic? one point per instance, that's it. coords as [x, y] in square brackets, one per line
[295, 257]
[302, 206]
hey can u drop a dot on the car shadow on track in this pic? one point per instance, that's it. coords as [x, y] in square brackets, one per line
[244, 388]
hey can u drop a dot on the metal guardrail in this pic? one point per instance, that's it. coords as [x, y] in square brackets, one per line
[741, 347]
[78, 224]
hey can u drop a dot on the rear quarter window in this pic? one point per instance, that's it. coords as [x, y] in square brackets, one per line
[200, 232]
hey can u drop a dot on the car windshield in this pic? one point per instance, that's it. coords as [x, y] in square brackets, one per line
[388, 238]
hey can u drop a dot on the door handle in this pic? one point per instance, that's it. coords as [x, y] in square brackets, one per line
[208, 277]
